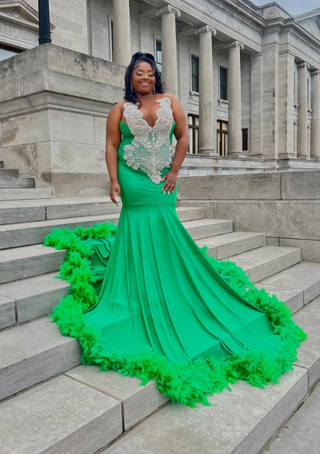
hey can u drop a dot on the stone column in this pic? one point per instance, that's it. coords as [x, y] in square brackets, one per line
[286, 105]
[169, 48]
[234, 99]
[256, 105]
[315, 106]
[303, 110]
[207, 122]
[121, 32]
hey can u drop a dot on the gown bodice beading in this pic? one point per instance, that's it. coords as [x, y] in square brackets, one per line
[150, 148]
[145, 155]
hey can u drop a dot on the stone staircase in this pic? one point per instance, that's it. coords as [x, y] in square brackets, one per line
[13, 187]
[56, 405]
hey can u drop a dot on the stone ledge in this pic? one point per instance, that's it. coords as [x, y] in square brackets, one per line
[290, 186]
[277, 218]
[64, 61]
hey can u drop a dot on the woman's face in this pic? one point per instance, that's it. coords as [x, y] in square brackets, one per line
[143, 78]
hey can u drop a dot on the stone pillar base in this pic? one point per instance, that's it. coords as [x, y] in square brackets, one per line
[286, 156]
[208, 151]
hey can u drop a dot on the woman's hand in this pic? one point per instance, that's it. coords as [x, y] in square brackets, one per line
[170, 184]
[114, 192]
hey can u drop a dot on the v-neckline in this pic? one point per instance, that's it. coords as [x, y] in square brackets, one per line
[142, 117]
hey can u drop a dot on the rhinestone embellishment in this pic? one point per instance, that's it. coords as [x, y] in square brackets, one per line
[150, 150]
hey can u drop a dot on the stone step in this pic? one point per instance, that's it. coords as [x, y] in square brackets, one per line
[28, 299]
[28, 261]
[23, 262]
[36, 351]
[204, 228]
[23, 234]
[308, 319]
[17, 235]
[40, 210]
[138, 401]
[25, 194]
[31, 298]
[223, 246]
[8, 182]
[304, 277]
[301, 433]
[235, 423]
[10, 172]
[216, 170]
[196, 160]
[266, 261]
[81, 419]
[291, 296]
[32, 353]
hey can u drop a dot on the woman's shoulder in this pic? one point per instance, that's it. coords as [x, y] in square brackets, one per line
[174, 100]
[118, 107]
[120, 104]
[170, 96]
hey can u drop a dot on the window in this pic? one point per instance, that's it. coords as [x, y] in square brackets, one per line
[193, 122]
[245, 139]
[159, 55]
[195, 73]
[112, 43]
[7, 52]
[222, 137]
[223, 84]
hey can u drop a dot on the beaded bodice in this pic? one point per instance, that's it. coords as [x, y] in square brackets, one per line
[150, 150]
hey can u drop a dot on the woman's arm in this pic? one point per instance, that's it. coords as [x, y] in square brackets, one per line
[181, 133]
[112, 144]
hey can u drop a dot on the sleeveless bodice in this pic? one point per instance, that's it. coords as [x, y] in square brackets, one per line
[145, 147]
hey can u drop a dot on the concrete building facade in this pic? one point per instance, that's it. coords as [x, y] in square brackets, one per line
[247, 76]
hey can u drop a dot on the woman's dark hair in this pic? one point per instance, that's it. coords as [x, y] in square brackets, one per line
[129, 94]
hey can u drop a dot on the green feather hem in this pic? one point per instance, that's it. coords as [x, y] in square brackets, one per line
[187, 383]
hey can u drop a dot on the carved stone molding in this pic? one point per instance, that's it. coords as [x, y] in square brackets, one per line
[275, 29]
[205, 28]
[17, 33]
[303, 65]
[234, 44]
[315, 72]
[19, 24]
[169, 9]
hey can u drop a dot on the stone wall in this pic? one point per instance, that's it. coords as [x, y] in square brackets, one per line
[284, 206]
[70, 20]
[53, 108]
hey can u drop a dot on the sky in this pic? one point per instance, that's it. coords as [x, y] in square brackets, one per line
[293, 6]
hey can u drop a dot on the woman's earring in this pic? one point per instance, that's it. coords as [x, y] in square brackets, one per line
[131, 87]
[154, 90]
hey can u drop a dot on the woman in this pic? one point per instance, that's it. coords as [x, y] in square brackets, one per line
[144, 87]
[164, 310]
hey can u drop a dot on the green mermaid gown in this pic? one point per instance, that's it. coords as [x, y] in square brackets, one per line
[162, 309]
